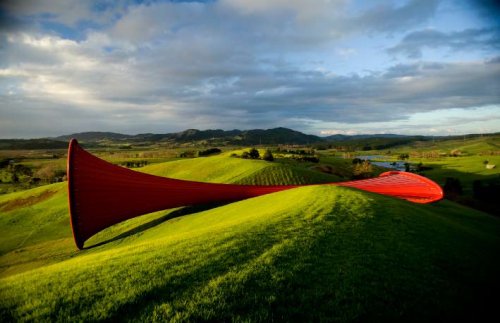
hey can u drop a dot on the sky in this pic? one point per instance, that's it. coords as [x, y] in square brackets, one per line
[428, 67]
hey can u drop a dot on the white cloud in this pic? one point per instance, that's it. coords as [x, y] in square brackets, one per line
[330, 132]
[346, 52]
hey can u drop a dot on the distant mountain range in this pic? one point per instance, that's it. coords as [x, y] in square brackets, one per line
[237, 137]
[223, 137]
[244, 137]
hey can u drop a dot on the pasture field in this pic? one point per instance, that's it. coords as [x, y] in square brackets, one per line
[473, 164]
[317, 253]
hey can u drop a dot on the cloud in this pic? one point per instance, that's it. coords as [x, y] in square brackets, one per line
[330, 132]
[304, 11]
[387, 17]
[412, 45]
[166, 66]
[64, 11]
[173, 87]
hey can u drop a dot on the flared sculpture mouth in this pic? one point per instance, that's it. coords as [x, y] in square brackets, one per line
[72, 191]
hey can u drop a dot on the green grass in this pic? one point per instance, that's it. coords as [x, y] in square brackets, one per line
[471, 146]
[224, 169]
[208, 169]
[308, 254]
[466, 169]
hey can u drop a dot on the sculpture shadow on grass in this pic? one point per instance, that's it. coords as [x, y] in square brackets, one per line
[153, 223]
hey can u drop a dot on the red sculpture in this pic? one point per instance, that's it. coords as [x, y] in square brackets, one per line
[102, 194]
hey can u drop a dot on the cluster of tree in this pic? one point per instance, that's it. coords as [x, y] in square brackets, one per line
[132, 164]
[18, 144]
[199, 153]
[22, 174]
[362, 169]
[254, 154]
[373, 143]
[15, 173]
[311, 159]
[404, 156]
[421, 167]
[268, 156]
[300, 154]
[208, 152]
[5, 162]
[486, 192]
[426, 154]
[452, 188]
[490, 152]
[357, 161]
[385, 143]
[188, 154]
[296, 151]
[322, 147]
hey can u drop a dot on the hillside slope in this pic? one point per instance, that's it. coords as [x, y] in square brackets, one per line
[308, 254]
[35, 223]
[224, 169]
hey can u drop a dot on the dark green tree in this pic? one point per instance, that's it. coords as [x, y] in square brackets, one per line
[404, 156]
[254, 153]
[268, 155]
[452, 188]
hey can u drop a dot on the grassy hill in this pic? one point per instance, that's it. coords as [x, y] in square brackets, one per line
[223, 169]
[308, 254]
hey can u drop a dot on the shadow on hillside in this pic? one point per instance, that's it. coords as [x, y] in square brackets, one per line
[153, 223]
[477, 191]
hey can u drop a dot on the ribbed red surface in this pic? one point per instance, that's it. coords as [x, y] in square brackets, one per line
[102, 194]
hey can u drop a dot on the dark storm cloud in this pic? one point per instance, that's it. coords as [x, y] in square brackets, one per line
[9, 22]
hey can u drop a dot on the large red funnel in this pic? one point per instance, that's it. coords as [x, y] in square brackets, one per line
[102, 194]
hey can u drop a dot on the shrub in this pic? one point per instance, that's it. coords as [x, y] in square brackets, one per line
[357, 161]
[268, 155]
[210, 151]
[46, 173]
[188, 154]
[403, 156]
[254, 153]
[363, 170]
[312, 159]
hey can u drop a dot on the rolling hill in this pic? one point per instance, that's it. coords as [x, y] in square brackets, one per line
[273, 136]
[223, 169]
[309, 254]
